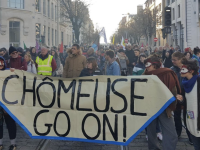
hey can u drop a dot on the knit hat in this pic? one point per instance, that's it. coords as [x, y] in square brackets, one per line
[19, 49]
[12, 49]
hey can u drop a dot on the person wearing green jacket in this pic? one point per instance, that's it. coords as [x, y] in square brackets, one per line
[139, 67]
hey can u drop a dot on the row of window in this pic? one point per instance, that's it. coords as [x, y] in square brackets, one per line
[14, 33]
[169, 2]
[51, 34]
[178, 11]
[51, 9]
[50, 6]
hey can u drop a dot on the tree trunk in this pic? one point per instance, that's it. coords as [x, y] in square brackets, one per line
[77, 34]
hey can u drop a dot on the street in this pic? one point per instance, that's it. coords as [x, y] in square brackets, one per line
[139, 143]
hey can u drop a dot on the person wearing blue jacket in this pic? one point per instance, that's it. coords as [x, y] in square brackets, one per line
[112, 66]
[10, 123]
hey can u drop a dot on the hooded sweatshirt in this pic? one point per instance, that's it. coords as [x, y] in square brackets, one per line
[169, 78]
[5, 66]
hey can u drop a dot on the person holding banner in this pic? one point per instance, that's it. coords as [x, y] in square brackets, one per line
[16, 61]
[10, 123]
[169, 78]
[75, 62]
[190, 99]
[92, 68]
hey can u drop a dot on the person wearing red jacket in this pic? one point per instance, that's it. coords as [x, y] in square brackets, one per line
[16, 61]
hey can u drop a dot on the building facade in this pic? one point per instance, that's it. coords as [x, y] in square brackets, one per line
[25, 21]
[156, 7]
[185, 15]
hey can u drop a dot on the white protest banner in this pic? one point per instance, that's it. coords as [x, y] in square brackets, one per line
[99, 109]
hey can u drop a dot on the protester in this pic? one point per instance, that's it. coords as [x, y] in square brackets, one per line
[10, 123]
[30, 64]
[188, 55]
[167, 61]
[196, 56]
[91, 53]
[74, 63]
[16, 61]
[28, 51]
[45, 63]
[84, 49]
[58, 63]
[144, 51]
[171, 49]
[169, 78]
[123, 61]
[112, 66]
[91, 68]
[100, 61]
[137, 54]
[190, 91]
[20, 51]
[33, 53]
[176, 60]
[131, 55]
[139, 67]
[160, 52]
[155, 50]
[4, 54]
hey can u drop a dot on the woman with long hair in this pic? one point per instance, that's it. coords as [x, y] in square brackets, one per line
[139, 67]
[30, 64]
[188, 55]
[91, 68]
[33, 53]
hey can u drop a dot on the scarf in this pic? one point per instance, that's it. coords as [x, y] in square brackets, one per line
[188, 85]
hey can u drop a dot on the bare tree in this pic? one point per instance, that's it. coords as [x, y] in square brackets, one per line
[77, 12]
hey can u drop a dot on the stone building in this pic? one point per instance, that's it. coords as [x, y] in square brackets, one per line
[25, 21]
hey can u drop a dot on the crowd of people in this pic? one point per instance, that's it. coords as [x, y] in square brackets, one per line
[178, 70]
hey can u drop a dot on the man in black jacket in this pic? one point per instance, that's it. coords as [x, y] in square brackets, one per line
[176, 60]
[131, 57]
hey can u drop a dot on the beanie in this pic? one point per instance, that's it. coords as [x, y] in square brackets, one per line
[19, 49]
[12, 49]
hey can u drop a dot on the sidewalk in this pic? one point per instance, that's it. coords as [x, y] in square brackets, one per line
[24, 142]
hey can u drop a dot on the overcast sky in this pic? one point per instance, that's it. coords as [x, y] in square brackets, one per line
[108, 13]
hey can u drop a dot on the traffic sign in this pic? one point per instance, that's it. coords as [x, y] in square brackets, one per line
[126, 40]
[155, 39]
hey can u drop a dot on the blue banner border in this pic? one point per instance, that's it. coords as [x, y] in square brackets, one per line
[86, 140]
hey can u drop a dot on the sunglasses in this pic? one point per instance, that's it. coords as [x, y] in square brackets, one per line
[14, 53]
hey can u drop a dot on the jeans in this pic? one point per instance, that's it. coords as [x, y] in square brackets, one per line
[196, 142]
[178, 121]
[11, 125]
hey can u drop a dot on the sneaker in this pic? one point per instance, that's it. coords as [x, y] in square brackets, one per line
[159, 136]
[13, 147]
[1, 147]
[147, 137]
[190, 142]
